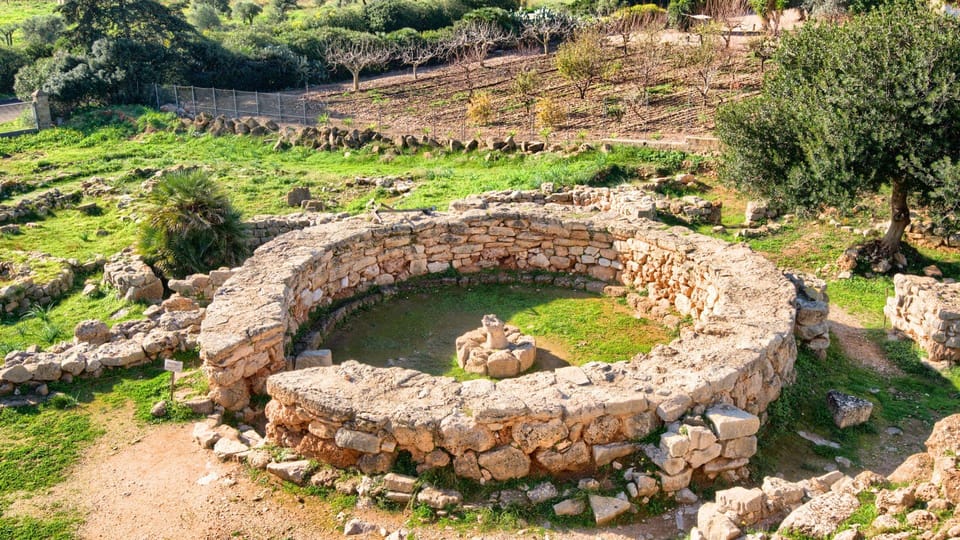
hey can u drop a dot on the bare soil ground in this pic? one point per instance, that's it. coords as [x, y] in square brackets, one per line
[436, 102]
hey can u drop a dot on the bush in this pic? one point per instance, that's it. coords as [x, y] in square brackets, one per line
[507, 20]
[392, 15]
[550, 113]
[204, 17]
[480, 109]
[11, 61]
[349, 17]
[678, 13]
[190, 226]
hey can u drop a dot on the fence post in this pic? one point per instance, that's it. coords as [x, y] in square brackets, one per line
[176, 97]
[256, 97]
[236, 109]
[280, 107]
[156, 92]
[193, 98]
[216, 111]
[41, 110]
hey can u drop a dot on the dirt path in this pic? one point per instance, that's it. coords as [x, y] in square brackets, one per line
[857, 345]
[154, 482]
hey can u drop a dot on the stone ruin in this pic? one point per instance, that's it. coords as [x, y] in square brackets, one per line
[709, 387]
[496, 350]
[928, 311]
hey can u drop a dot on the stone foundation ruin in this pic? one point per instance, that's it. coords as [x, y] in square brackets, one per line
[496, 350]
[710, 386]
[928, 311]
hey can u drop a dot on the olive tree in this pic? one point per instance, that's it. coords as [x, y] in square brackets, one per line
[853, 108]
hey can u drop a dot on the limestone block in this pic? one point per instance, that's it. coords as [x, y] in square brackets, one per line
[744, 447]
[646, 485]
[675, 482]
[505, 463]
[574, 458]
[820, 517]
[15, 374]
[848, 410]
[663, 460]
[399, 482]
[357, 440]
[782, 493]
[697, 458]
[533, 435]
[730, 422]
[569, 507]
[607, 509]
[314, 358]
[606, 453]
[673, 407]
[674, 444]
[715, 525]
[291, 471]
[91, 331]
[439, 499]
[740, 500]
[459, 433]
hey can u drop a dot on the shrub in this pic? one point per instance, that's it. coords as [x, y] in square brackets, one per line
[190, 226]
[246, 11]
[500, 17]
[550, 113]
[480, 109]
[11, 61]
[204, 17]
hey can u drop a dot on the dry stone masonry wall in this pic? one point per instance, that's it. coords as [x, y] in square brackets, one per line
[730, 364]
[928, 311]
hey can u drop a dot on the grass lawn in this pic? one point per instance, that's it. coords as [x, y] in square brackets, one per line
[569, 326]
[15, 11]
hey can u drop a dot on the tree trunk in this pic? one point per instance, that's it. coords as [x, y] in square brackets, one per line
[414, 72]
[899, 218]
[356, 80]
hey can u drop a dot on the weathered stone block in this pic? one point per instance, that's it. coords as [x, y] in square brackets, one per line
[730, 422]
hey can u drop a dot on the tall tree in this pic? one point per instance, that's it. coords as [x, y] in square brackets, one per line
[145, 21]
[852, 108]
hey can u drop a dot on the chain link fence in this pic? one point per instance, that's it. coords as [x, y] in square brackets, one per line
[191, 100]
[17, 118]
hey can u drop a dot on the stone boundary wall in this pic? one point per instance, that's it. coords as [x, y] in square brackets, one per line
[25, 293]
[740, 351]
[166, 329]
[263, 229]
[41, 205]
[928, 311]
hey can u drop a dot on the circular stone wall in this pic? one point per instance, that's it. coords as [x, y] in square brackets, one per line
[729, 365]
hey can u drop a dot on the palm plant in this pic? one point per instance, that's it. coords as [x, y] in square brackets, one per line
[191, 226]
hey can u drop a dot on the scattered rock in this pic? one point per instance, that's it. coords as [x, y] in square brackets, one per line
[848, 410]
[569, 507]
[159, 409]
[291, 471]
[607, 509]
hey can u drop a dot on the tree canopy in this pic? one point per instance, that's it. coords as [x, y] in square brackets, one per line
[852, 108]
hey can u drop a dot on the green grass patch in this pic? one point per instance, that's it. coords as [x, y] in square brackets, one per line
[569, 326]
[39, 269]
[55, 527]
[55, 323]
[16, 11]
[863, 298]
[924, 396]
[37, 444]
